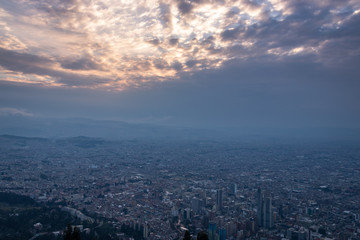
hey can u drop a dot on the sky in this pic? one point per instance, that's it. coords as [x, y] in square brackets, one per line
[210, 63]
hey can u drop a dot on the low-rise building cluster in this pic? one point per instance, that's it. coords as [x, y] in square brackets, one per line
[230, 189]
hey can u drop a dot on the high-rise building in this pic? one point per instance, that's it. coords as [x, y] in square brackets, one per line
[268, 213]
[187, 213]
[300, 234]
[264, 210]
[231, 228]
[233, 189]
[212, 231]
[219, 200]
[222, 234]
[195, 205]
[260, 211]
[146, 230]
[174, 211]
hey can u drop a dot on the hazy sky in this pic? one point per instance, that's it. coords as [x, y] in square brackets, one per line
[261, 63]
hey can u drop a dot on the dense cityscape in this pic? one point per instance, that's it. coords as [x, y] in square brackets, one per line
[179, 120]
[238, 189]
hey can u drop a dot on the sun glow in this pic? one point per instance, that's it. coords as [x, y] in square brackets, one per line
[99, 42]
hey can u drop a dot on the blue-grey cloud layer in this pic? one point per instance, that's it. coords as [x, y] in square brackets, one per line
[213, 63]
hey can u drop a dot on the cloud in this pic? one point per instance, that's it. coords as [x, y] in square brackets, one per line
[184, 7]
[230, 34]
[42, 66]
[173, 41]
[160, 64]
[24, 62]
[83, 63]
[232, 12]
[176, 65]
[191, 63]
[294, 92]
[101, 44]
[14, 112]
[154, 41]
[348, 28]
[204, 62]
[165, 15]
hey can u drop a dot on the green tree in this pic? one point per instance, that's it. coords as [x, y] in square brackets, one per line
[187, 235]
[68, 232]
[202, 236]
[76, 234]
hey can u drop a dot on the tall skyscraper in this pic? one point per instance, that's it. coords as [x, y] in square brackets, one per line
[195, 204]
[233, 189]
[212, 231]
[264, 210]
[219, 200]
[222, 234]
[146, 230]
[260, 211]
[268, 213]
[187, 213]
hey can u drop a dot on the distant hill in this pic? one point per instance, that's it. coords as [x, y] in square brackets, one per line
[73, 127]
[57, 128]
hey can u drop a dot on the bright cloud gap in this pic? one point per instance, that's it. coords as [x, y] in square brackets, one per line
[118, 45]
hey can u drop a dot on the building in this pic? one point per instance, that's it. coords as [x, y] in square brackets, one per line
[233, 189]
[265, 216]
[268, 213]
[146, 230]
[187, 214]
[222, 234]
[219, 200]
[260, 210]
[212, 231]
[195, 205]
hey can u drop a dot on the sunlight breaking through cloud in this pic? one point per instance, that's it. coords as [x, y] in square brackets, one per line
[115, 45]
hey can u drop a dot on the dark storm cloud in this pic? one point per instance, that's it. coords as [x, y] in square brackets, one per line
[293, 93]
[285, 33]
[173, 41]
[298, 65]
[165, 15]
[207, 42]
[308, 26]
[191, 63]
[66, 15]
[59, 8]
[296, 93]
[12, 7]
[160, 64]
[199, 1]
[24, 62]
[33, 64]
[84, 63]
[154, 41]
[142, 65]
[345, 51]
[230, 34]
[177, 65]
[233, 11]
[184, 7]
[349, 28]
[77, 80]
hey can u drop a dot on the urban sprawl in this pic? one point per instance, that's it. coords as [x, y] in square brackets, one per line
[229, 189]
